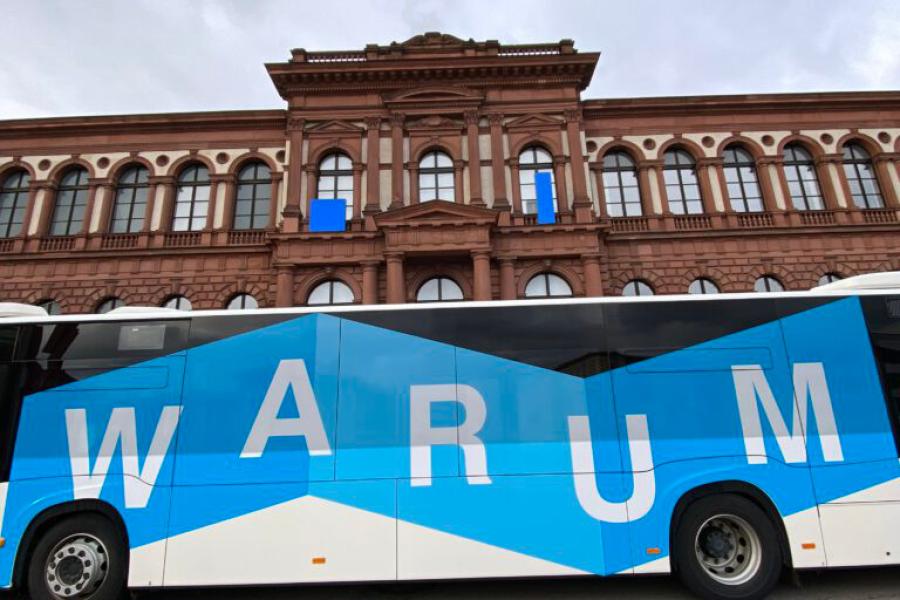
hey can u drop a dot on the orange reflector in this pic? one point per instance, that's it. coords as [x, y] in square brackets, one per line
[2, 542]
[318, 560]
[653, 550]
[808, 545]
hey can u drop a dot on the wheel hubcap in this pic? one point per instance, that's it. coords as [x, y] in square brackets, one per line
[76, 567]
[728, 549]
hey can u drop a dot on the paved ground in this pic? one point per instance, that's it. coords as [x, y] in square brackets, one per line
[868, 584]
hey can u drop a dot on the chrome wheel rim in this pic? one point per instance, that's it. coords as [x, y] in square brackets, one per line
[77, 567]
[728, 549]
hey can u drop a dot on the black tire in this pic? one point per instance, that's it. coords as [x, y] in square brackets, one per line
[760, 581]
[112, 584]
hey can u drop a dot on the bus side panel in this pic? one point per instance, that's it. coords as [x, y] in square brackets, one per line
[688, 398]
[855, 467]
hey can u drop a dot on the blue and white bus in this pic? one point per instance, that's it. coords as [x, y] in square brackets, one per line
[724, 438]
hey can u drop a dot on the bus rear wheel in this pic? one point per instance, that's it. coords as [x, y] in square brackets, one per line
[726, 548]
[81, 557]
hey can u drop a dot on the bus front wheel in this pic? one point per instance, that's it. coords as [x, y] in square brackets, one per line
[726, 548]
[81, 557]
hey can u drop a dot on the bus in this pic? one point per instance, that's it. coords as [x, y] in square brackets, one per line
[725, 438]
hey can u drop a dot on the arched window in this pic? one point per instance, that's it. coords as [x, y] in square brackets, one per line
[439, 289]
[703, 286]
[547, 285]
[436, 177]
[636, 287]
[178, 302]
[109, 304]
[51, 306]
[192, 199]
[71, 200]
[829, 278]
[254, 197]
[13, 200]
[861, 177]
[767, 283]
[532, 160]
[330, 292]
[682, 188]
[741, 180]
[130, 206]
[803, 183]
[336, 179]
[620, 185]
[242, 302]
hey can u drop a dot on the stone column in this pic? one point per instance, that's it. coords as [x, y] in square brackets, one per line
[273, 205]
[413, 168]
[106, 197]
[507, 278]
[498, 163]
[582, 200]
[152, 190]
[767, 184]
[29, 209]
[593, 280]
[311, 189]
[396, 284]
[373, 165]
[291, 212]
[458, 193]
[214, 181]
[559, 180]
[93, 187]
[882, 165]
[474, 158]
[357, 190]
[370, 282]
[284, 293]
[397, 120]
[228, 184]
[517, 189]
[481, 274]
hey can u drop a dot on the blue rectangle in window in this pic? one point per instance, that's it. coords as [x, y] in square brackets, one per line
[328, 215]
[544, 188]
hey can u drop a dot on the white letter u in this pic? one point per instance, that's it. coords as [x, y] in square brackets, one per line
[589, 497]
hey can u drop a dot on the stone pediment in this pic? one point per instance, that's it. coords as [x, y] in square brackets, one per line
[435, 122]
[433, 39]
[534, 121]
[335, 128]
[453, 96]
[437, 212]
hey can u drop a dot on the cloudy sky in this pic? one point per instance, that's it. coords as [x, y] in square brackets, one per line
[78, 57]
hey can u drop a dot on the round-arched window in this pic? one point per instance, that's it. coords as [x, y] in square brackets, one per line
[130, 205]
[71, 202]
[800, 174]
[191, 199]
[620, 185]
[703, 286]
[336, 180]
[767, 283]
[547, 285]
[436, 177]
[829, 278]
[242, 302]
[861, 177]
[51, 306]
[254, 196]
[682, 187]
[534, 160]
[439, 289]
[741, 180]
[13, 201]
[330, 292]
[109, 304]
[178, 302]
[637, 287]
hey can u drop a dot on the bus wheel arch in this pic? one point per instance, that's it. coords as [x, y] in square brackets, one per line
[57, 513]
[738, 488]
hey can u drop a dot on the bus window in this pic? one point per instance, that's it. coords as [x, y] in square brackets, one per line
[883, 320]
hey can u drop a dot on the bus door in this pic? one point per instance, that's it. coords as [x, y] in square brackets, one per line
[680, 374]
[846, 358]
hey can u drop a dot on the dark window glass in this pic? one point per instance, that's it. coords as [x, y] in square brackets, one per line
[883, 319]
[803, 183]
[130, 206]
[682, 187]
[242, 302]
[547, 285]
[13, 202]
[71, 201]
[636, 287]
[108, 305]
[620, 185]
[767, 283]
[76, 341]
[51, 306]
[254, 197]
[861, 177]
[7, 342]
[336, 179]
[436, 177]
[703, 286]
[330, 292]
[534, 160]
[741, 180]
[439, 289]
[192, 199]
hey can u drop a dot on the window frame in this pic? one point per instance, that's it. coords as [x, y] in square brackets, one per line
[792, 166]
[19, 193]
[336, 174]
[441, 279]
[535, 167]
[435, 172]
[132, 188]
[766, 281]
[746, 173]
[853, 163]
[194, 184]
[704, 282]
[637, 283]
[243, 299]
[546, 276]
[114, 302]
[679, 168]
[256, 185]
[178, 298]
[79, 196]
[331, 283]
[617, 170]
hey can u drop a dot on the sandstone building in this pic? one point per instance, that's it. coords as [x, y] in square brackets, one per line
[434, 142]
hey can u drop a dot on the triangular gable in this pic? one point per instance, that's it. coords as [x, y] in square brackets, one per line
[534, 121]
[335, 127]
[435, 211]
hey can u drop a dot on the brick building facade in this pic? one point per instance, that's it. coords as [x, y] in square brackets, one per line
[434, 142]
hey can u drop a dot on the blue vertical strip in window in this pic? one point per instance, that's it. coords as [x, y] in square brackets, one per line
[544, 189]
[328, 215]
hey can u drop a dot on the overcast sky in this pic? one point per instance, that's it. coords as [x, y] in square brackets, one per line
[73, 57]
